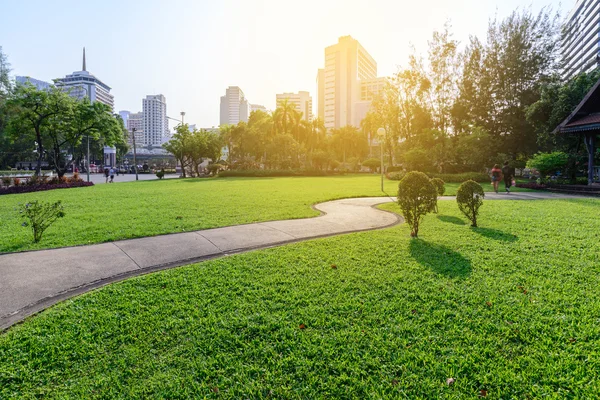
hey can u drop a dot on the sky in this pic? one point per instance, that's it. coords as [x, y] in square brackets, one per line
[192, 50]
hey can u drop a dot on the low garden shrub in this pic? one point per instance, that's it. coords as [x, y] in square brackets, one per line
[469, 198]
[41, 187]
[531, 185]
[160, 174]
[274, 173]
[39, 216]
[416, 196]
[396, 176]
[448, 178]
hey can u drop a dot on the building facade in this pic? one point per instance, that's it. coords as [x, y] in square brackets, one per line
[136, 121]
[257, 107]
[580, 46]
[234, 107]
[346, 64]
[39, 85]
[301, 100]
[82, 84]
[321, 93]
[369, 89]
[156, 124]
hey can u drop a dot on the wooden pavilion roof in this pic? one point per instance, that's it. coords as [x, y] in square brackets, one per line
[586, 116]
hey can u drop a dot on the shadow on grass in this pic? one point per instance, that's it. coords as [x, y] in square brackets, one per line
[495, 234]
[451, 220]
[440, 259]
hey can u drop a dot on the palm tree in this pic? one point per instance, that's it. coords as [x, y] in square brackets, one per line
[286, 113]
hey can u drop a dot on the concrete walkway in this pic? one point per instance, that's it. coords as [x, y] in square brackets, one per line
[32, 281]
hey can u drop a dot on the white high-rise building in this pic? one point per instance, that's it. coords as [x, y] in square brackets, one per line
[135, 121]
[156, 124]
[82, 84]
[257, 107]
[234, 107]
[301, 100]
[580, 46]
[346, 64]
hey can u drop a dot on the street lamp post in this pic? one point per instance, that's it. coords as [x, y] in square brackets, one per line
[134, 154]
[381, 134]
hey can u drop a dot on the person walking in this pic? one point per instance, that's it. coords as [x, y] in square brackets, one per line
[496, 176]
[106, 173]
[112, 175]
[509, 175]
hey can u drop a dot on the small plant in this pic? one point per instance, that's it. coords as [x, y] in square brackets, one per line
[440, 188]
[6, 181]
[40, 216]
[469, 198]
[416, 196]
[160, 174]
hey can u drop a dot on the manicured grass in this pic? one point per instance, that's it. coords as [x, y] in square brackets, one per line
[510, 308]
[127, 210]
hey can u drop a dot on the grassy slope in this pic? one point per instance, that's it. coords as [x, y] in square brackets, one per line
[126, 210]
[511, 308]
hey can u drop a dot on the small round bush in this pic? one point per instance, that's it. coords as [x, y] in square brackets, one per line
[416, 197]
[469, 198]
[439, 186]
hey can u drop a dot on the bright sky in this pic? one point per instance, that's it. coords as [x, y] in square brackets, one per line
[191, 50]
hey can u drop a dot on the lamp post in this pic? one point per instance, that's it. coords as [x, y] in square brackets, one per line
[381, 134]
[134, 154]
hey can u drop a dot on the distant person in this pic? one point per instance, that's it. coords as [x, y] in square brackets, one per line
[112, 175]
[496, 176]
[509, 175]
[106, 174]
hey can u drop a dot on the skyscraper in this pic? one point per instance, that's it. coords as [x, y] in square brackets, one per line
[156, 124]
[82, 84]
[234, 107]
[346, 64]
[580, 46]
[301, 100]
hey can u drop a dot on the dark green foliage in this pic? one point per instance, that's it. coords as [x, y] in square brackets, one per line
[274, 173]
[469, 198]
[448, 178]
[160, 174]
[372, 163]
[39, 216]
[416, 196]
[396, 176]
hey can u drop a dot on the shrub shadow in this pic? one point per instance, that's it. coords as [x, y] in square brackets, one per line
[441, 259]
[495, 234]
[451, 220]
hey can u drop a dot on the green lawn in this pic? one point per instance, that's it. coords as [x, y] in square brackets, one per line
[510, 308]
[127, 210]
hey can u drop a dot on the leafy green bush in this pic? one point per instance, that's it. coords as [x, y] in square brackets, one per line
[372, 163]
[548, 163]
[40, 216]
[448, 178]
[214, 168]
[396, 176]
[469, 198]
[438, 184]
[416, 196]
[160, 174]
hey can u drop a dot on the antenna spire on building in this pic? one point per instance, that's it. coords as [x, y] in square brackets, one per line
[84, 60]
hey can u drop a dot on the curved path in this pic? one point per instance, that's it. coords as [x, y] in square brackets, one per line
[32, 281]
[35, 280]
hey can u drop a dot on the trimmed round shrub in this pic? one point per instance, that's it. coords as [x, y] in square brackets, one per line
[439, 186]
[469, 198]
[416, 197]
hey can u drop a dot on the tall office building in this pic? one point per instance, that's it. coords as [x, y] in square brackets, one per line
[40, 85]
[257, 107]
[234, 107]
[301, 100]
[346, 64]
[321, 93]
[156, 124]
[134, 120]
[82, 84]
[580, 46]
[369, 89]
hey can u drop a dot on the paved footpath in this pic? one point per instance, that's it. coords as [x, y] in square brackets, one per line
[32, 281]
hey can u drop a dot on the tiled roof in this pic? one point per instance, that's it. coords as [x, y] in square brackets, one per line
[586, 120]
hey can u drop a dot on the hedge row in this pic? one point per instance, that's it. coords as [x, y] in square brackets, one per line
[42, 187]
[448, 178]
[274, 173]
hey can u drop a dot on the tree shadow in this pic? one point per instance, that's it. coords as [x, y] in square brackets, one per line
[451, 220]
[441, 259]
[495, 234]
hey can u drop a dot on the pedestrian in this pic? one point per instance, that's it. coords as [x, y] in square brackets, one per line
[509, 175]
[112, 175]
[106, 174]
[496, 176]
